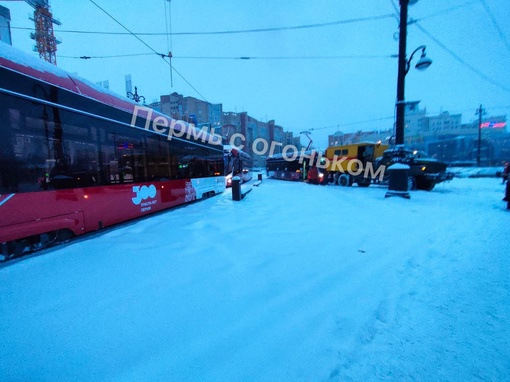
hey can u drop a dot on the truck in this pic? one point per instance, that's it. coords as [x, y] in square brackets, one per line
[424, 172]
[366, 163]
[353, 163]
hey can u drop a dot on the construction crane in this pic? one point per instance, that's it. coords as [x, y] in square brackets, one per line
[45, 41]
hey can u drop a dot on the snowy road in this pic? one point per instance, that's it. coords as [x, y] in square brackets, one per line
[294, 283]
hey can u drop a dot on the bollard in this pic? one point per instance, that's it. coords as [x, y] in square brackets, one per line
[399, 184]
[236, 188]
[260, 177]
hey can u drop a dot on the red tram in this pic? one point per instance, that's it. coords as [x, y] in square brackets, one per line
[297, 167]
[237, 163]
[75, 158]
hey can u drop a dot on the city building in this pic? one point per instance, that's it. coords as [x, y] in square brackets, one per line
[5, 25]
[171, 104]
[191, 109]
[337, 139]
[415, 123]
[444, 136]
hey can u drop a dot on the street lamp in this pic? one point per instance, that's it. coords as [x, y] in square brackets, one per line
[423, 63]
[403, 68]
[135, 97]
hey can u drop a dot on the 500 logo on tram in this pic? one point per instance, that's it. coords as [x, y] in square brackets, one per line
[143, 193]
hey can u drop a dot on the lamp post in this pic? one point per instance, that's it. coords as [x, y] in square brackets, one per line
[403, 68]
[135, 97]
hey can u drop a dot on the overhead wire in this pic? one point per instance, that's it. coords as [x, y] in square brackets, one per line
[485, 107]
[460, 60]
[170, 33]
[501, 34]
[148, 46]
[447, 10]
[351, 123]
[110, 56]
[395, 8]
[289, 57]
[274, 29]
[168, 26]
[240, 31]
[361, 57]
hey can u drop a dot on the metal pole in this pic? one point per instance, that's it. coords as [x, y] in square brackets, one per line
[402, 68]
[479, 112]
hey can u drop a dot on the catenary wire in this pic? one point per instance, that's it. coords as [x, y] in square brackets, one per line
[447, 10]
[259, 30]
[238, 57]
[168, 26]
[460, 60]
[148, 46]
[502, 36]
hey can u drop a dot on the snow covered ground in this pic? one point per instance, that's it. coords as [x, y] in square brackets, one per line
[294, 283]
[476, 172]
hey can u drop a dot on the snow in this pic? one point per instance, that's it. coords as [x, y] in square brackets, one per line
[476, 172]
[20, 57]
[37, 64]
[399, 166]
[293, 283]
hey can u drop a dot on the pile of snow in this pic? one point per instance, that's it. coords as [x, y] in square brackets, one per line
[293, 283]
[476, 172]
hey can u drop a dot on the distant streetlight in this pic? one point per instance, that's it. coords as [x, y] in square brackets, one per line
[135, 97]
[403, 68]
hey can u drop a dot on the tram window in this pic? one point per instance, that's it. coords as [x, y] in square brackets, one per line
[215, 166]
[198, 167]
[125, 158]
[30, 149]
[193, 161]
[84, 166]
[181, 155]
[73, 154]
[43, 147]
[202, 168]
[160, 165]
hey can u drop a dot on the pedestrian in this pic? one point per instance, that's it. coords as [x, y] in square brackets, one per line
[313, 175]
[507, 193]
[506, 172]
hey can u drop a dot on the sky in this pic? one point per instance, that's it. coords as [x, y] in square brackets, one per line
[336, 77]
[275, 287]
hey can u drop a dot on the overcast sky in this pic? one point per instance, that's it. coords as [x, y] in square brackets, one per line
[468, 41]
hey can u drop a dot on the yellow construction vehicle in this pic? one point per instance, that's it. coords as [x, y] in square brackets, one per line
[353, 163]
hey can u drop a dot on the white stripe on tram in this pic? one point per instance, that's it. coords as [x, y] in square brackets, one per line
[6, 199]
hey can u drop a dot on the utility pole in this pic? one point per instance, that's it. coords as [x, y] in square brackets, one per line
[479, 112]
[402, 63]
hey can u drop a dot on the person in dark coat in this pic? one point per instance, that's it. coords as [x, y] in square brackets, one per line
[507, 193]
[506, 172]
